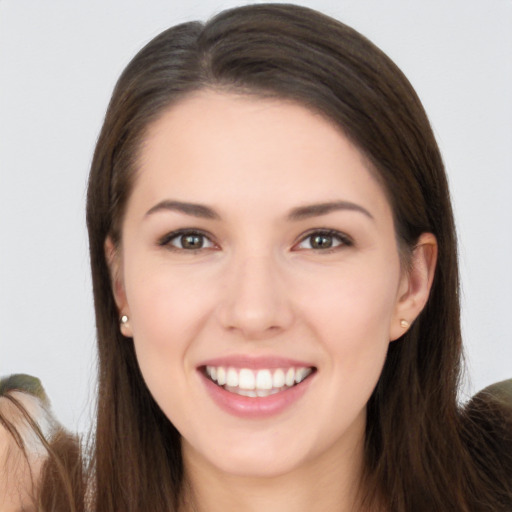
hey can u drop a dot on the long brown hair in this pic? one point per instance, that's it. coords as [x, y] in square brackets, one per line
[417, 451]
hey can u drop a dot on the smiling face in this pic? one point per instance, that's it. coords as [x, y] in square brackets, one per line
[260, 273]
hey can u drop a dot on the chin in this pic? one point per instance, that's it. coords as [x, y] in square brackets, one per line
[249, 455]
[261, 465]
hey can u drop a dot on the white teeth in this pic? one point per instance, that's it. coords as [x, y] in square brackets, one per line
[232, 378]
[290, 377]
[264, 379]
[278, 379]
[253, 383]
[221, 376]
[266, 392]
[246, 392]
[246, 379]
[301, 374]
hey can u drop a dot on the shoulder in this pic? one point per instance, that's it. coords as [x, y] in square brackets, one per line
[491, 411]
[488, 435]
[493, 406]
[25, 423]
[500, 392]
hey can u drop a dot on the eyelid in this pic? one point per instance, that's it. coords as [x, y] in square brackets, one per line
[165, 241]
[344, 239]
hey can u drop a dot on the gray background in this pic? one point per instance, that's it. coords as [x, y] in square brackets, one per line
[58, 63]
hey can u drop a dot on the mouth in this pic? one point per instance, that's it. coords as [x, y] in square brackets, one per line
[257, 383]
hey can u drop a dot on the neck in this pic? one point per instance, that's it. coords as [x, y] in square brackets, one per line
[329, 483]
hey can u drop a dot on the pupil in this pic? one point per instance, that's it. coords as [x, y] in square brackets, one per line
[321, 242]
[192, 241]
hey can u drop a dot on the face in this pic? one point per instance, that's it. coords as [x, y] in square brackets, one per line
[260, 273]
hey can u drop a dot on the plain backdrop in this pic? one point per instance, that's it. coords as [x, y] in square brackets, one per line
[59, 61]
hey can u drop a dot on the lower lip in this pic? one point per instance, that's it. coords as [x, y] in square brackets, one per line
[255, 407]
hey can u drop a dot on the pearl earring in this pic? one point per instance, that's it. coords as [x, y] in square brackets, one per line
[404, 324]
[124, 324]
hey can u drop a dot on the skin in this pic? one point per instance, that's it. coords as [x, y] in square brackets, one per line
[258, 288]
[20, 472]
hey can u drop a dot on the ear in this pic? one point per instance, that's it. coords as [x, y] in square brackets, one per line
[415, 285]
[115, 264]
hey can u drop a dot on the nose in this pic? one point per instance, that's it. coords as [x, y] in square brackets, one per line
[256, 301]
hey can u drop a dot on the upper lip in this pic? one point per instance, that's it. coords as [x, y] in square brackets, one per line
[255, 363]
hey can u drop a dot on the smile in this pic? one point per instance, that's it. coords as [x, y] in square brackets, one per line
[257, 383]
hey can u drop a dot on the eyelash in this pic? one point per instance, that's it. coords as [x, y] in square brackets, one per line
[339, 239]
[166, 241]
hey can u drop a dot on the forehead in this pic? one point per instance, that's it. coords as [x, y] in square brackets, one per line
[213, 147]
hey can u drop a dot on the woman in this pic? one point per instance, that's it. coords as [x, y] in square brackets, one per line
[275, 281]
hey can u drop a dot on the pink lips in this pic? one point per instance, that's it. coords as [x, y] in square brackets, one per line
[255, 363]
[257, 406]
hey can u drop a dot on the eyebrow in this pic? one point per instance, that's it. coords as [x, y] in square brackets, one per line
[296, 214]
[316, 210]
[195, 210]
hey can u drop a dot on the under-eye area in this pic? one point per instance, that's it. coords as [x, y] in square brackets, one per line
[257, 383]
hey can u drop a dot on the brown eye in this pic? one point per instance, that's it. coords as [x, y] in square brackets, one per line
[187, 241]
[191, 241]
[323, 240]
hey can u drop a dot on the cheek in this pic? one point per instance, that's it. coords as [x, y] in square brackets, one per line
[167, 311]
[354, 308]
[351, 316]
[166, 304]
